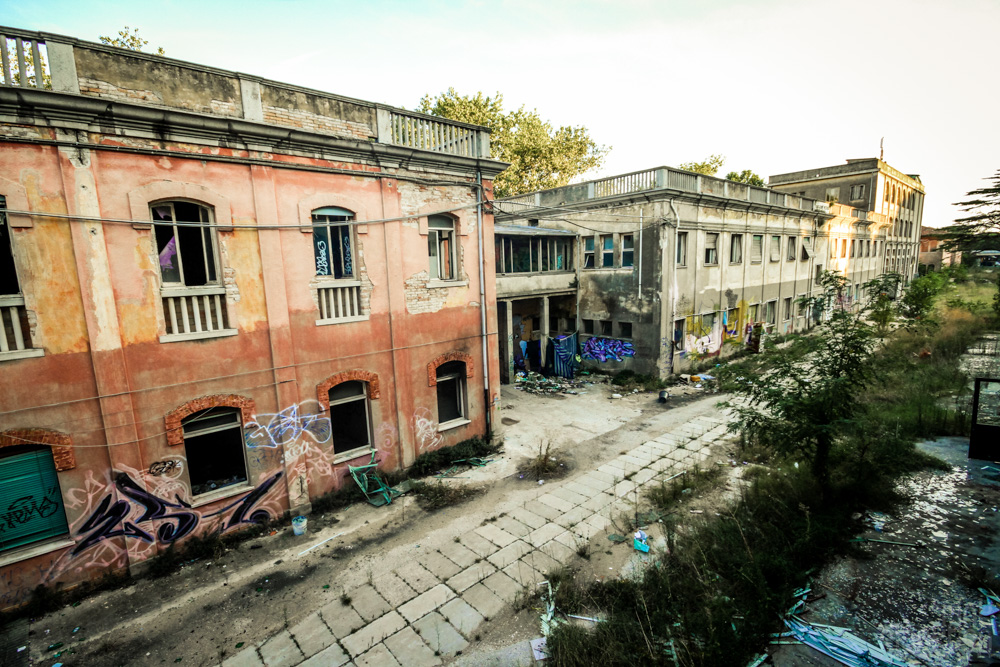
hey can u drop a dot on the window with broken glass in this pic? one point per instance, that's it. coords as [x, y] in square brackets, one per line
[15, 330]
[333, 242]
[524, 254]
[451, 392]
[350, 417]
[215, 451]
[185, 243]
[441, 247]
[588, 252]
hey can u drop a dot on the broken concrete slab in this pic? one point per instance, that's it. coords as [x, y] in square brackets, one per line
[281, 650]
[483, 600]
[463, 616]
[391, 587]
[439, 634]
[341, 619]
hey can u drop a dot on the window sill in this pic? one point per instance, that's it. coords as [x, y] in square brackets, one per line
[352, 454]
[329, 281]
[342, 320]
[21, 354]
[454, 423]
[197, 335]
[32, 550]
[220, 494]
[435, 283]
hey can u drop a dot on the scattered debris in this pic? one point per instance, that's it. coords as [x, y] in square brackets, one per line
[536, 383]
[841, 644]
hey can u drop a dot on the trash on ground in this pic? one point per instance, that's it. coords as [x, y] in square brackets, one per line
[536, 383]
[616, 538]
[539, 648]
[841, 645]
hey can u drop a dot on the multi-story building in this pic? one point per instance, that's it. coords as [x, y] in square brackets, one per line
[679, 265]
[932, 255]
[217, 293]
[887, 195]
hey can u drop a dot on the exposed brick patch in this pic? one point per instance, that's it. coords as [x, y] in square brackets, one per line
[173, 419]
[323, 388]
[432, 367]
[61, 444]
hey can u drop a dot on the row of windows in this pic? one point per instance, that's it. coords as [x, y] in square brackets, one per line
[521, 254]
[795, 248]
[606, 328]
[858, 248]
[704, 324]
[215, 449]
[602, 253]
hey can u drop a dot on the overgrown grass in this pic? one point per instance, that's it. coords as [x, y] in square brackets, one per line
[667, 494]
[443, 458]
[437, 495]
[629, 380]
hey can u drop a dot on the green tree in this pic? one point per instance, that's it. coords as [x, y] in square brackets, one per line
[709, 167]
[746, 176]
[540, 156]
[983, 220]
[803, 407]
[129, 40]
[881, 293]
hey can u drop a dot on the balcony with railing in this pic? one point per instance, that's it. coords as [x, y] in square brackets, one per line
[15, 334]
[191, 313]
[340, 302]
[68, 65]
[660, 178]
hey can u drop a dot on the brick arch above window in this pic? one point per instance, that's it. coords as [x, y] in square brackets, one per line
[174, 418]
[61, 444]
[445, 358]
[324, 387]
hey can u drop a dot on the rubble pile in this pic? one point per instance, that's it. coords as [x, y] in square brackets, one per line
[536, 383]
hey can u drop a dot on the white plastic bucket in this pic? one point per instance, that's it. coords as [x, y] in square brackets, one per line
[299, 525]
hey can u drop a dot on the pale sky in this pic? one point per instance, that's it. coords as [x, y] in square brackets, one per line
[774, 85]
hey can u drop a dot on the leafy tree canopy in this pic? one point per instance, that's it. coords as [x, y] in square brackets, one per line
[540, 156]
[983, 220]
[746, 176]
[709, 167]
[129, 40]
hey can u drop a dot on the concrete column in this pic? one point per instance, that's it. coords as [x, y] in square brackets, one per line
[383, 125]
[62, 66]
[253, 106]
[545, 328]
[509, 333]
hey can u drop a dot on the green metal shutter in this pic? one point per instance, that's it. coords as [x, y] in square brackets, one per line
[31, 506]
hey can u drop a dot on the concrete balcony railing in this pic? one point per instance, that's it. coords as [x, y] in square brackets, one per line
[195, 312]
[70, 65]
[653, 179]
[340, 303]
[15, 341]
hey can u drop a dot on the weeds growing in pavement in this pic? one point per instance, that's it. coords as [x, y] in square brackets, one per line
[437, 495]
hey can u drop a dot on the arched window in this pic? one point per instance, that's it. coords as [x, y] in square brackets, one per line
[185, 243]
[31, 506]
[451, 391]
[350, 417]
[441, 247]
[214, 446]
[333, 242]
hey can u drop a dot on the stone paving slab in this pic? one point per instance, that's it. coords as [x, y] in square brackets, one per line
[582, 489]
[471, 576]
[503, 586]
[570, 496]
[558, 550]
[461, 615]
[528, 518]
[331, 656]
[634, 463]
[478, 544]
[525, 575]
[410, 650]
[547, 532]
[556, 502]
[547, 512]
[248, 657]
[513, 526]
[483, 600]
[395, 591]
[416, 576]
[542, 562]
[585, 530]
[644, 476]
[459, 555]
[377, 656]
[280, 650]
[509, 553]
[573, 517]
[368, 603]
[373, 633]
[599, 476]
[439, 634]
[426, 602]
[598, 502]
[497, 536]
[341, 619]
[438, 565]
[312, 635]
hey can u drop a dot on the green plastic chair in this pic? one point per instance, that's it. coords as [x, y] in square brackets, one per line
[376, 491]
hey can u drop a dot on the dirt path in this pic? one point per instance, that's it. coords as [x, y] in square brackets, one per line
[200, 614]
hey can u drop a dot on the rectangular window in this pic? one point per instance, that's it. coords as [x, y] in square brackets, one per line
[588, 327]
[711, 248]
[624, 329]
[606, 328]
[451, 391]
[607, 251]
[441, 247]
[788, 308]
[819, 274]
[186, 251]
[806, 245]
[852, 247]
[588, 252]
[775, 249]
[732, 321]
[757, 248]
[868, 248]
[628, 250]
[857, 192]
[790, 256]
[753, 312]
[801, 305]
[834, 244]
[707, 324]
[350, 418]
[771, 312]
[678, 335]
[843, 247]
[736, 249]
[8, 274]
[682, 248]
[30, 497]
[214, 446]
[333, 250]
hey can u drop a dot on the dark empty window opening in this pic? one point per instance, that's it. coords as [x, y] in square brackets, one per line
[350, 419]
[185, 243]
[605, 327]
[625, 329]
[8, 274]
[588, 327]
[451, 391]
[214, 445]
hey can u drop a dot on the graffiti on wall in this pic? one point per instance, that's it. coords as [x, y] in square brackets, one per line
[26, 508]
[425, 430]
[171, 467]
[274, 430]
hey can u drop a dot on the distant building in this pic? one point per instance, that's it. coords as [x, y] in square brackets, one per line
[680, 266]
[932, 255]
[894, 201]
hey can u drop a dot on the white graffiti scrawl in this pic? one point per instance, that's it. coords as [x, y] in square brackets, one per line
[425, 429]
[274, 430]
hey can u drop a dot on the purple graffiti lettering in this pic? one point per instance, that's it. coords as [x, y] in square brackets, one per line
[604, 349]
[246, 503]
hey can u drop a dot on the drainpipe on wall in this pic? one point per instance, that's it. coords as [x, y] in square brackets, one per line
[482, 305]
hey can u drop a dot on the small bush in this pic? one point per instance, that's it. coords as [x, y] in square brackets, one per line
[437, 495]
[440, 459]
